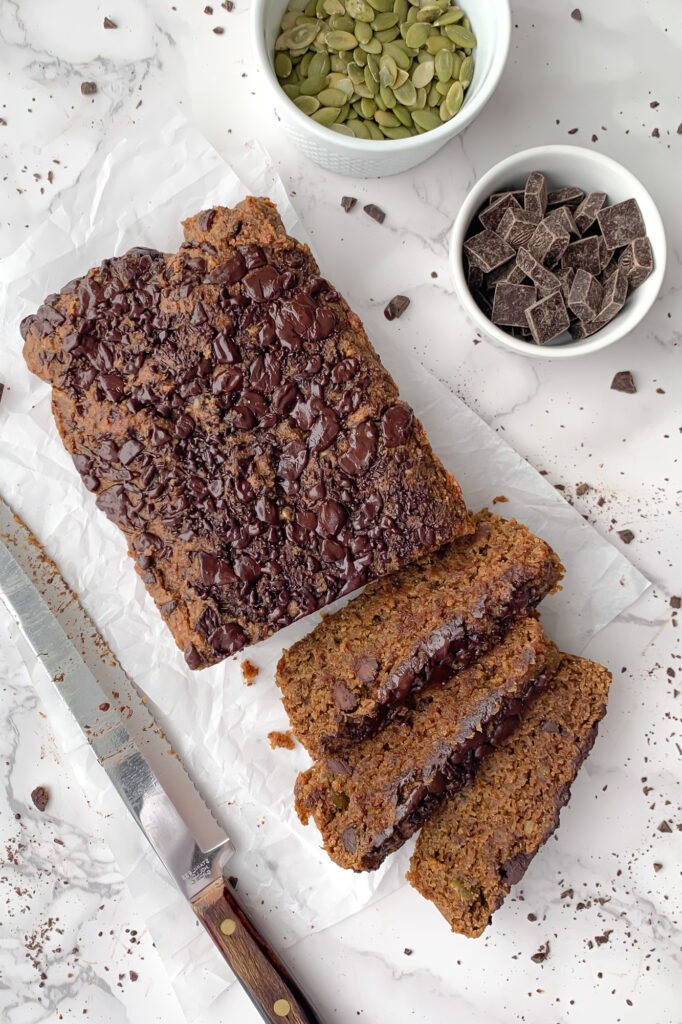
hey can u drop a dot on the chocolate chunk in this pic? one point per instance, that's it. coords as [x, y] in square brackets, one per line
[615, 294]
[375, 212]
[584, 254]
[396, 425]
[586, 295]
[624, 381]
[348, 202]
[586, 214]
[516, 193]
[396, 307]
[566, 276]
[487, 250]
[546, 281]
[627, 536]
[548, 318]
[344, 697]
[366, 668]
[362, 443]
[88, 88]
[491, 216]
[567, 196]
[40, 797]
[108, 23]
[535, 195]
[664, 827]
[192, 657]
[516, 227]
[2, 390]
[543, 952]
[548, 244]
[349, 840]
[511, 302]
[576, 14]
[228, 639]
[637, 261]
[621, 223]
[560, 219]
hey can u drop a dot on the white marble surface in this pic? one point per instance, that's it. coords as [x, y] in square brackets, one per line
[65, 912]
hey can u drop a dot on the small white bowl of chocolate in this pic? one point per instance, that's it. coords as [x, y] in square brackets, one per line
[557, 251]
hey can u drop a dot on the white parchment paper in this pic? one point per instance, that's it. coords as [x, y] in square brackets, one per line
[217, 724]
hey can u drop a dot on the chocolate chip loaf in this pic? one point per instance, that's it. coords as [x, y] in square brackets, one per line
[480, 843]
[228, 410]
[346, 679]
[368, 800]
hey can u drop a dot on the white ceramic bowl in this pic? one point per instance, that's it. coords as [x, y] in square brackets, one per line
[562, 165]
[366, 158]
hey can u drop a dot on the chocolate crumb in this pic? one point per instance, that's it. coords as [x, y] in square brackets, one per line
[601, 939]
[234, 881]
[208, 10]
[655, 134]
[407, 951]
[396, 307]
[3, 122]
[654, 104]
[542, 954]
[627, 536]
[88, 88]
[133, 975]
[625, 382]
[282, 739]
[218, 30]
[582, 489]
[532, 917]
[40, 797]
[675, 602]
[657, 867]
[595, 138]
[375, 212]
[108, 23]
[572, 131]
[249, 671]
[664, 827]
[2, 391]
[228, 5]
[348, 202]
[434, 273]
[576, 14]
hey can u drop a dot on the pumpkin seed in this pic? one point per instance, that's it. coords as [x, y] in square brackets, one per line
[400, 78]
[450, 17]
[436, 43]
[426, 119]
[455, 97]
[429, 13]
[371, 82]
[461, 36]
[362, 32]
[388, 36]
[341, 23]
[434, 97]
[466, 72]
[292, 91]
[342, 129]
[444, 65]
[333, 7]
[403, 115]
[386, 119]
[373, 46]
[406, 94]
[368, 108]
[293, 38]
[320, 64]
[331, 98]
[388, 70]
[360, 10]
[374, 131]
[359, 129]
[356, 73]
[399, 56]
[308, 104]
[387, 96]
[311, 86]
[401, 132]
[373, 65]
[339, 40]
[423, 73]
[384, 21]
[417, 34]
[326, 115]
[381, 5]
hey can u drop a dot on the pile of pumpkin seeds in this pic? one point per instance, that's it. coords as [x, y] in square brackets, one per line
[376, 69]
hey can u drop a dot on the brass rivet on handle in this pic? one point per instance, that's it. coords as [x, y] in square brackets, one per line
[282, 1008]
[228, 926]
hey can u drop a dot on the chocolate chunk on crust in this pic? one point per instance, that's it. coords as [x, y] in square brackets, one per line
[480, 843]
[413, 629]
[229, 412]
[381, 791]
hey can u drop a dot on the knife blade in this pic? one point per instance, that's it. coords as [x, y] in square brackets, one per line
[119, 727]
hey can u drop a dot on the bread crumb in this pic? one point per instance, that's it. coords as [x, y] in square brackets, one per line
[282, 739]
[499, 499]
[250, 671]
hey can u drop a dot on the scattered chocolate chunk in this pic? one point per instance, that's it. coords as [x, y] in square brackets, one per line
[676, 602]
[621, 223]
[375, 212]
[572, 131]
[664, 827]
[228, 5]
[657, 867]
[542, 954]
[601, 939]
[133, 975]
[624, 381]
[218, 30]
[234, 881]
[535, 195]
[108, 23]
[88, 88]
[487, 250]
[40, 797]
[576, 14]
[208, 10]
[679, 128]
[548, 318]
[656, 134]
[407, 951]
[627, 536]
[586, 295]
[582, 489]
[348, 202]
[396, 307]
[511, 302]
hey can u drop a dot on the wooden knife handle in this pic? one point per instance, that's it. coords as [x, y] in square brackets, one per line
[262, 974]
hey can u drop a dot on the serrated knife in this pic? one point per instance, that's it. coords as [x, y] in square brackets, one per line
[129, 745]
